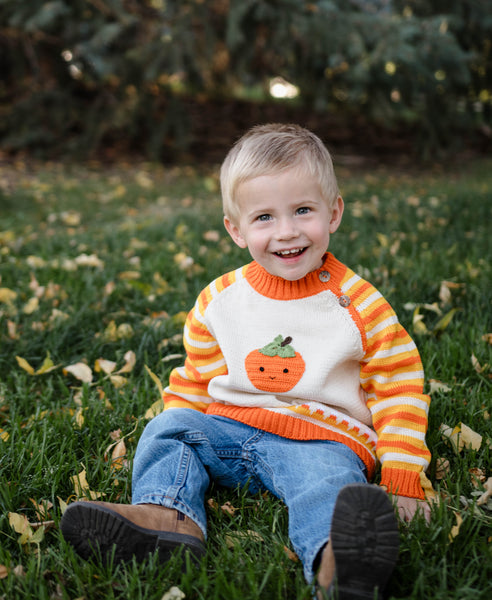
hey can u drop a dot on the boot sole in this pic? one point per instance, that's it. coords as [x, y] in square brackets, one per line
[365, 541]
[100, 533]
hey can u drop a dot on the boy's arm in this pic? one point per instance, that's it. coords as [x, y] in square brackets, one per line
[392, 376]
[188, 385]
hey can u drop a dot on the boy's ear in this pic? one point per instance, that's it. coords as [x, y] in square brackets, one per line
[233, 231]
[336, 214]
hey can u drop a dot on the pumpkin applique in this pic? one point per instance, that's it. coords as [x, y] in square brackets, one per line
[276, 367]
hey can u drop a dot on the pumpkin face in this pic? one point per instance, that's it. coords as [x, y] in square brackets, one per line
[276, 367]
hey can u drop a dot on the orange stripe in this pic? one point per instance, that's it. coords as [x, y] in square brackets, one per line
[403, 417]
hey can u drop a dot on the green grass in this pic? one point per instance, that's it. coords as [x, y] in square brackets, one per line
[405, 232]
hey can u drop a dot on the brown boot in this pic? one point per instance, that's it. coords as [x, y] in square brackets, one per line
[101, 529]
[358, 560]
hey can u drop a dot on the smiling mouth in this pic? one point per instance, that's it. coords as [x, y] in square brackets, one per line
[290, 253]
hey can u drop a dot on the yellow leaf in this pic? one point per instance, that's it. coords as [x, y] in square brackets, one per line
[156, 380]
[31, 306]
[4, 435]
[382, 239]
[118, 381]
[429, 492]
[81, 486]
[471, 439]
[79, 417]
[130, 360]
[487, 494]
[156, 408]
[118, 455]
[107, 366]
[418, 322]
[7, 296]
[23, 364]
[456, 529]
[80, 371]
[19, 523]
[179, 318]
[438, 386]
[63, 505]
[453, 435]
[47, 366]
[445, 321]
[174, 593]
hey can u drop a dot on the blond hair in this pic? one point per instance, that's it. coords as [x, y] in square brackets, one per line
[270, 149]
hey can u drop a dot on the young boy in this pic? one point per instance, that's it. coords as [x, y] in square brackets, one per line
[298, 379]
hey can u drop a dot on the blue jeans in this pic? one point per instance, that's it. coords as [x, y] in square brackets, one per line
[182, 450]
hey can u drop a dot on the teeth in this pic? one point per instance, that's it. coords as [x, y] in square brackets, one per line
[287, 252]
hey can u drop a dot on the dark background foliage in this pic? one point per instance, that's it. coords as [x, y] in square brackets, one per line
[181, 78]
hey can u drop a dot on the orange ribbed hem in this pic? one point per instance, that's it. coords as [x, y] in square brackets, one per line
[402, 483]
[293, 428]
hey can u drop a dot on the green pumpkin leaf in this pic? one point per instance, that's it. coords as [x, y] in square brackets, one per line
[277, 348]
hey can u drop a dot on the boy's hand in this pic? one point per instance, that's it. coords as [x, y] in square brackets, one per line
[409, 507]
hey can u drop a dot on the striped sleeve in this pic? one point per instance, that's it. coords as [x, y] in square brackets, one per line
[392, 376]
[188, 384]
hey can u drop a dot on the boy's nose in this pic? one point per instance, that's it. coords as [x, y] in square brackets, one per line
[287, 229]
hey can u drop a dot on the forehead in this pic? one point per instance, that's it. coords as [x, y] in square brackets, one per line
[275, 187]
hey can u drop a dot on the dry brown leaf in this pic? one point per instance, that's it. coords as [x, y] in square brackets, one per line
[213, 504]
[477, 476]
[442, 468]
[228, 509]
[4, 571]
[487, 494]
[487, 338]
[291, 555]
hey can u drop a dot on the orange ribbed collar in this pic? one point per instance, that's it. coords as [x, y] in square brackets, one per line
[313, 283]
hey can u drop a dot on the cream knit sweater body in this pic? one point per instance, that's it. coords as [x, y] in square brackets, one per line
[320, 358]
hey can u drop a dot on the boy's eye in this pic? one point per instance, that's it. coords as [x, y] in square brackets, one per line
[304, 210]
[264, 217]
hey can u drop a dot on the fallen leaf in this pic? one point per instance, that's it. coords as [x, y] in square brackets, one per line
[442, 468]
[429, 492]
[106, 366]
[487, 494]
[487, 338]
[471, 439]
[174, 593]
[23, 364]
[438, 386]
[4, 571]
[130, 361]
[81, 486]
[80, 371]
[456, 529]
[91, 260]
[118, 455]
[7, 296]
[31, 306]
[443, 323]
[228, 509]
[477, 476]
[156, 380]
[291, 555]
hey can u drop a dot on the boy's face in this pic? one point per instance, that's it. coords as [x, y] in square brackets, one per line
[285, 222]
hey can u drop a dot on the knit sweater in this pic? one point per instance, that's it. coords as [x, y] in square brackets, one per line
[320, 358]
